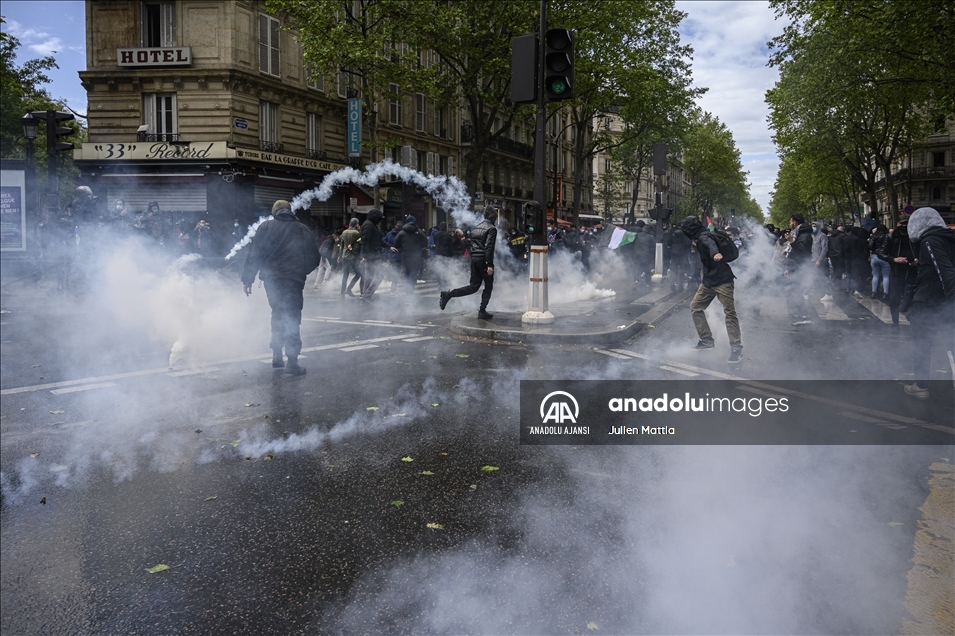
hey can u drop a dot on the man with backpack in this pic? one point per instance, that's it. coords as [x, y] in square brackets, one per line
[716, 250]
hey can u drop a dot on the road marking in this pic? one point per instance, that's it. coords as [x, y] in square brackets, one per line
[689, 374]
[337, 321]
[85, 387]
[872, 420]
[688, 367]
[829, 310]
[179, 374]
[629, 354]
[269, 360]
[880, 310]
[611, 354]
[145, 372]
[421, 339]
[359, 347]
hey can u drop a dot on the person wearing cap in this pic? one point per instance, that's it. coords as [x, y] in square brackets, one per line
[483, 240]
[283, 253]
[412, 243]
[931, 303]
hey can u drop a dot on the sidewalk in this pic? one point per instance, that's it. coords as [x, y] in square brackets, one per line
[605, 321]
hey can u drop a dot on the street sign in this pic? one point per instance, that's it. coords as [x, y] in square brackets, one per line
[354, 127]
[241, 123]
[909, 209]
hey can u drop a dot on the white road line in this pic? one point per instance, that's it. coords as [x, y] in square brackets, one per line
[421, 339]
[269, 360]
[829, 310]
[689, 374]
[336, 321]
[688, 367]
[611, 354]
[85, 387]
[627, 353]
[359, 347]
[179, 374]
[880, 310]
[145, 372]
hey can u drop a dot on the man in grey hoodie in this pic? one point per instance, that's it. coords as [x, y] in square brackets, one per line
[931, 302]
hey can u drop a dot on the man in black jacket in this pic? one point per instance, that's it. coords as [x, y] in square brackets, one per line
[797, 273]
[283, 253]
[897, 252]
[483, 239]
[933, 295]
[412, 244]
[371, 256]
[717, 283]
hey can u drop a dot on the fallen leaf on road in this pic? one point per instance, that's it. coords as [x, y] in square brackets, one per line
[162, 567]
[462, 355]
[895, 523]
[372, 408]
[651, 327]
[592, 626]
[435, 357]
[400, 415]
[308, 393]
[251, 404]
[426, 472]
[269, 456]
[57, 412]
[435, 526]
[435, 404]
[473, 486]
[34, 454]
[212, 498]
[397, 503]
[407, 458]
[489, 469]
[43, 501]
[235, 443]
[36, 366]
[444, 454]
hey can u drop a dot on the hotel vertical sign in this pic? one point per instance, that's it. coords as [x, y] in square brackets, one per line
[354, 127]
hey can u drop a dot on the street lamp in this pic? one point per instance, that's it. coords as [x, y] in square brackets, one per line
[31, 126]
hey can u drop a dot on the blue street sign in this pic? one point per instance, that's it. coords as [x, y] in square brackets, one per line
[241, 123]
[354, 127]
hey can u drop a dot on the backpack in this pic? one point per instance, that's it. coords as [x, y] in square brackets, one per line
[726, 245]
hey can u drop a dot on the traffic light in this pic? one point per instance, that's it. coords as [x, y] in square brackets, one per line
[534, 219]
[559, 65]
[54, 131]
[524, 69]
[732, 213]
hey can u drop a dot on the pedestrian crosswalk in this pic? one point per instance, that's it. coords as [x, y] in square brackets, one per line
[832, 311]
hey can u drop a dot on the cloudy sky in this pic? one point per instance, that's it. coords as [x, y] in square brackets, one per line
[728, 38]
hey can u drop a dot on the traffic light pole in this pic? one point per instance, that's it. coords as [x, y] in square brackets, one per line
[537, 310]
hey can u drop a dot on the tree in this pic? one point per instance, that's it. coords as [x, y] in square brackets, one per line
[713, 161]
[858, 83]
[631, 63]
[21, 91]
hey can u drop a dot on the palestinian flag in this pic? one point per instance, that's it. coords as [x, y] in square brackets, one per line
[618, 237]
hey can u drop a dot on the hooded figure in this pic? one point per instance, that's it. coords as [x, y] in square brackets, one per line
[282, 253]
[371, 256]
[412, 243]
[933, 296]
[898, 253]
[717, 283]
[483, 242]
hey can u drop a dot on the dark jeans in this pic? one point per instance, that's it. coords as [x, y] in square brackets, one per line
[411, 269]
[349, 266]
[479, 275]
[285, 299]
[371, 276]
[926, 323]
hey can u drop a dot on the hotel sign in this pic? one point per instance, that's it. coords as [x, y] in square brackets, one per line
[178, 56]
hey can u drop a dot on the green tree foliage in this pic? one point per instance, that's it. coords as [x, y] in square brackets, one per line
[21, 91]
[630, 63]
[859, 81]
[715, 167]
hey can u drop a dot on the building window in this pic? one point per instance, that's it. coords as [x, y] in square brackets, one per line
[441, 123]
[159, 113]
[607, 166]
[394, 105]
[420, 112]
[313, 79]
[935, 194]
[343, 83]
[938, 159]
[268, 45]
[159, 24]
[313, 136]
[269, 127]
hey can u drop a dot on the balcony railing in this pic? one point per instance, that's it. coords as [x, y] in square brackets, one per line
[271, 146]
[498, 189]
[318, 155]
[501, 143]
[147, 137]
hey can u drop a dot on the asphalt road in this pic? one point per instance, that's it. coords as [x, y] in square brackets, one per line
[386, 491]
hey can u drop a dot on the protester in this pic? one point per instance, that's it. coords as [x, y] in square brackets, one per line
[351, 248]
[412, 244]
[371, 256]
[282, 253]
[717, 283]
[483, 240]
[932, 305]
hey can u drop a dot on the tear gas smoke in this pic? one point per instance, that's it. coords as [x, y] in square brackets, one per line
[247, 238]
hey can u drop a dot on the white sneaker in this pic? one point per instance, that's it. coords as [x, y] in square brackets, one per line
[915, 391]
[857, 295]
[826, 298]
